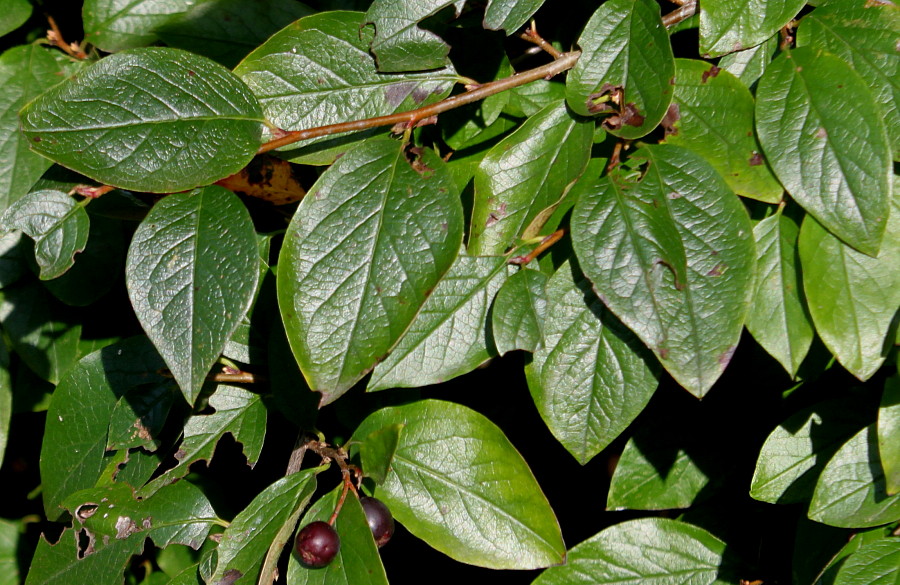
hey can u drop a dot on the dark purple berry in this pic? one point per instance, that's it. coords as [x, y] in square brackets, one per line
[317, 544]
[380, 520]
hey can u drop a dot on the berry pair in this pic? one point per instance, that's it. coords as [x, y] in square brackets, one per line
[318, 542]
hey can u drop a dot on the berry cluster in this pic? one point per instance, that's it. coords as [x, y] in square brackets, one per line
[318, 542]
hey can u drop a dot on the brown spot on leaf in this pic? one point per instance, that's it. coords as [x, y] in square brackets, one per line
[37, 139]
[726, 356]
[229, 577]
[757, 160]
[663, 352]
[717, 270]
[712, 72]
[604, 99]
[668, 122]
[674, 195]
[180, 454]
[125, 527]
[396, 93]
[821, 133]
[631, 116]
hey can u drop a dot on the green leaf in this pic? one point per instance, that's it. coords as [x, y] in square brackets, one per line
[13, 248]
[655, 551]
[450, 335]
[444, 487]
[712, 114]
[58, 564]
[246, 542]
[58, 225]
[155, 119]
[591, 377]
[73, 455]
[851, 490]
[874, 564]
[670, 252]
[852, 297]
[529, 99]
[733, 25]
[852, 544]
[399, 43]
[624, 48]
[10, 542]
[25, 72]
[526, 173]
[889, 433]
[227, 30]
[357, 561]
[794, 454]
[191, 271]
[509, 15]
[346, 288]
[15, 13]
[749, 65]
[864, 35]
[42, 333]
[6, 396]
[138, 418]
[779, 319]
[114, 25]
[823, 135]
[318, 71]
[377, 449]
[517, 315]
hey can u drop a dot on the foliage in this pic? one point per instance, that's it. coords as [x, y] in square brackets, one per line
[603, 320]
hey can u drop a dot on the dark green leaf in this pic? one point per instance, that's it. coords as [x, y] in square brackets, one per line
[10, 542]
[25, 72]
[357, 561]
[528, 99]
[624, 49]
[526, 173]
[42, 333]
[445, 487]
[590, 377]
[155, 119]
[517, 315]
[450, 335]
[734, 25]
[246, 542]
[509, 15]
[58, 225]
[889, 434]
[13, 247]
[669, 250]
[346, 288]
[74, 449]
[749, 65]
[779, 319]
[58, 564]
[399, 43]
[852, 297]
[864, 34]
[795, 453]
[114, 25]
[653, 551]
[226, 30]
[376, 451]
[857, 540]
[824, 137]
[712, 114]
[318, 71]
[192, 270]
[15, 13]
[874, 564]
[138, 418]
[851, 490]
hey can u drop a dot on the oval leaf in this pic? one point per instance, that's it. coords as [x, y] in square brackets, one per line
[156, 119]
[509, 15]
[877, 563]
[191, 271]
[888, 434]
[115, 25]
[399, 43]
[445, 487]
[824, 136]
[517, 316]
[626, 69]
[669, 250]
[346, 289]
[734, 25]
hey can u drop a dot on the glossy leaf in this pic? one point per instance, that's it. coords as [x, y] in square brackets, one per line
[15, 13]
[246, 541]
[357, 561]
[591, 377]
[319, 71]
[624, 47]
[346, 288]
[376, 451]
[138, 418]
[851, 490]
[852, 297]
[457, 483]
[25, 72]
[889, 434]
[734, 25]
[114, 25]
[779, 319]
[712, 114]
[529, 99]
[670, 252]
[10, 541]
[509, 15]
[864, 35]
[58, 225]
[450, 335]
[526, 173]
[155, 119]
[517, 316]
[655, 551]
[56, 564]
[874, 564]
[227, 30]
[6, 396]
[794, 454]
[749, 65]
[192, 270]
[399, 43]
[74, 449]
[824, 137]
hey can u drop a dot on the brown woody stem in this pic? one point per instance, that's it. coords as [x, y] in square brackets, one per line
[687, 9]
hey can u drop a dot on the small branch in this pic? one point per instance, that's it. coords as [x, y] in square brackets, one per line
[565, 62]
[54, 35]
[531, 35]
[540, 249]
[687, 9]
[301, 444]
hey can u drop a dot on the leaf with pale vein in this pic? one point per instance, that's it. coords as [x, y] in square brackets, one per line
[733, 25]
[115, 25]
[517, 315]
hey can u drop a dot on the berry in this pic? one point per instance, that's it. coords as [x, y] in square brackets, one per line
[317, 544]
[380, 520]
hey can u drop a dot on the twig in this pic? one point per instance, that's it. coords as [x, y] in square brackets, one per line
[687, 9]
[540, 249]
[54, 35]
[301, 444]
[531, 35]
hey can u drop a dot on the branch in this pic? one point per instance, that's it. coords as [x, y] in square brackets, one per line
[688, 9]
